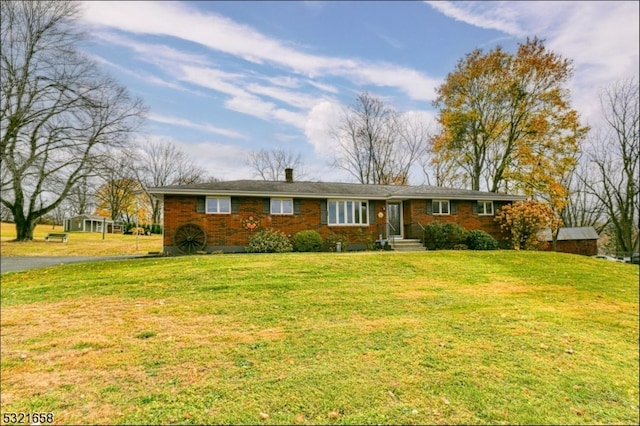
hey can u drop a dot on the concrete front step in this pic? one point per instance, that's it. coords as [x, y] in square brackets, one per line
[408, 245]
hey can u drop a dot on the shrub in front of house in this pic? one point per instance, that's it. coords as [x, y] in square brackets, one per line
[333, 239]
[439, 236]
[269, 241]
[307, 241]
[478, 239]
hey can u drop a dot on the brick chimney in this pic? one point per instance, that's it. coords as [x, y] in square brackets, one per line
[288, 175]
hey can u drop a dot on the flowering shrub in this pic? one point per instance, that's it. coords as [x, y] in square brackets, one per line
[522, 221]
[269, 241]
[307, 241]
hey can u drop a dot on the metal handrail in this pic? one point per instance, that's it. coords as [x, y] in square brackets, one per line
[424, 231]
[421, 227]
[393, 237]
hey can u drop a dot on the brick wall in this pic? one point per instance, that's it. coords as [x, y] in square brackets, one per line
[583, 247]
[226, 230]
[416, 211]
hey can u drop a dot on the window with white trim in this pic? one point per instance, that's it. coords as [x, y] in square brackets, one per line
[281, 206]
[440, 207]
[485, 208]
[348, 212]
[218, 205]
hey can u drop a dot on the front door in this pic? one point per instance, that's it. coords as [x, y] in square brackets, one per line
[394, 215]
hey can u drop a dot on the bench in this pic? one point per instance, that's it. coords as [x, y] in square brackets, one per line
[61, 237]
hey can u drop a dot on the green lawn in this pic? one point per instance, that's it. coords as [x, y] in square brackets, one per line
[78, 244]
[378, 337]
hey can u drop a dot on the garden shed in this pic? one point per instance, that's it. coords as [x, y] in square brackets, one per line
[580, 240]
[91, 223]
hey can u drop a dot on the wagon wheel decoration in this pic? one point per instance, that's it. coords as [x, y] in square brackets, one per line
[190, 238]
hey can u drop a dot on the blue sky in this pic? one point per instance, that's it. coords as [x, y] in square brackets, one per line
[222, 79]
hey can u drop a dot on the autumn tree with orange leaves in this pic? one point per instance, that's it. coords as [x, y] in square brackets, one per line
[123, 200]
[521, 222]
[506, 123]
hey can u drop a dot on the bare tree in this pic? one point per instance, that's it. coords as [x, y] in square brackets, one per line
[615, 161]
[81, 199]
[411, 146]
[583, 209]
[5, 214]
[162, 163]
[377, 145]
[57, 111]
[270, 165]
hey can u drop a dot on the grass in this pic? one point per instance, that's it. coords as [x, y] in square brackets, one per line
[78, 244]
[363, 338]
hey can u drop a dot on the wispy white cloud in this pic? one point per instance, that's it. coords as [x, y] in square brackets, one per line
[155, 53]
[318, 128]
[176, 121]
[600, 37]
[297, 99]
[389, 40]
[210, 78]
[144, 76]
[324, 87]
[489, 15]
[195, 70]
[285, 137]
[284, 81]
[220, 160]
[224, 35]
[253, 105]
[223, 161]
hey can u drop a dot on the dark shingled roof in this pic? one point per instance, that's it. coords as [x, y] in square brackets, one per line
[572, 234]
[262, 188]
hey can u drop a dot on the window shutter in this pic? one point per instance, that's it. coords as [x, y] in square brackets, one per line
[235, 205]
[266, 206]
[429, 207]
[297, 207]
[372, 212]
[200, 205]
[453, 207]
[323, 212]
[475, 207]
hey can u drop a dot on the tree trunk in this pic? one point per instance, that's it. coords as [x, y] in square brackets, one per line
[24, 228]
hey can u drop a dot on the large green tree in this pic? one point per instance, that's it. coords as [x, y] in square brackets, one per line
[506, 122]
[58, 112]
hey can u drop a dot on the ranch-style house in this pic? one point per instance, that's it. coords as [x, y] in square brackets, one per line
[222, 216]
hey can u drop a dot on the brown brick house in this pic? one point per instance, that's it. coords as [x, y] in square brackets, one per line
[224, 215]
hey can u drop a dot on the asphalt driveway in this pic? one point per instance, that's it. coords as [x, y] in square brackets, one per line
[22, 263]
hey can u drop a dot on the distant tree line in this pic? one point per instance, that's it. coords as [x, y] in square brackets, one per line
[504, 124]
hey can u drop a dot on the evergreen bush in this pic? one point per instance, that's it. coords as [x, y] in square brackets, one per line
[440, 236]
[478, 239]
[307, 241]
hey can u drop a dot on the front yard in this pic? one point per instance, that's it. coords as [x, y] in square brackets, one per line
[378, 337]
